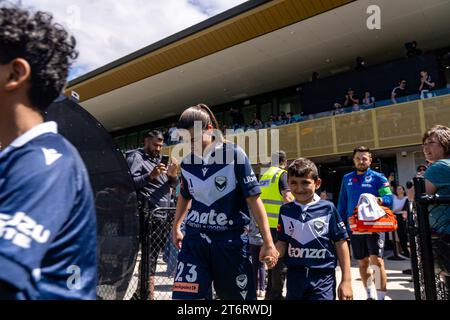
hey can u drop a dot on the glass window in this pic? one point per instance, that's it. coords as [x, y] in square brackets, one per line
[290, 104]
[265, 111]
[226, 117]
[248, 112]
[132, 141]
[121, 142]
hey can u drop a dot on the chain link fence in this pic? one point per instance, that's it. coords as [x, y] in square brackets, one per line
[157, 259]
[430, 250]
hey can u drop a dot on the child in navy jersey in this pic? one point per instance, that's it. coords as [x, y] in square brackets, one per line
[47, 214]
[218, 186]
[312, 237]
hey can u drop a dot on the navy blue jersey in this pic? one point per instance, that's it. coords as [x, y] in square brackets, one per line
[47, 218]
[310, 234]
[218, 186]
[353, 185]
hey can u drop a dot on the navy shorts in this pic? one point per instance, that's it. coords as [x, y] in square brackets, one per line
[311, 284]
[222, 259]
[365, 245]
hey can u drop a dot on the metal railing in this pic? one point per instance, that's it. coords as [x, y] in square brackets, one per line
[430, 276]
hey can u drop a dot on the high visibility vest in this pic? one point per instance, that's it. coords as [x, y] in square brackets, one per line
[270, 194]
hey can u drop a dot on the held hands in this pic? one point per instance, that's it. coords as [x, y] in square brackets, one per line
[269, 255]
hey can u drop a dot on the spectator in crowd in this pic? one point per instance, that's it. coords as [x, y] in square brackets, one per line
[279, 120]
[237, 118]
[436, 147]
[351, 100]
[274, 192]
[324, 195]
[217, 195]
[399, 91]
[421, 170]
[310, 224]
[369, 100]
[174, 134]
[290, 118]
[48, 248]
[367, 248]
[400, 209]
[426, 85]
[256, 123]
[153, 181]
[337, 109]
[271, 122]
[166, 136]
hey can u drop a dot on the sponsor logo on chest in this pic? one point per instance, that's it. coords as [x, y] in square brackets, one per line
[307, 253]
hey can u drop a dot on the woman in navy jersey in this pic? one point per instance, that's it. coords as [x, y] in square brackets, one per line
[218, 186]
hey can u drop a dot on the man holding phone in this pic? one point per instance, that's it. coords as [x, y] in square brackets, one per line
[154, 177]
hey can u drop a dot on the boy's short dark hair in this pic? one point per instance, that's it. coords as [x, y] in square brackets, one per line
[303, 168]
[361, 149]
[45, 45]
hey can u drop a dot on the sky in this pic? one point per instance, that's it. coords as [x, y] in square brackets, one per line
[107, 30]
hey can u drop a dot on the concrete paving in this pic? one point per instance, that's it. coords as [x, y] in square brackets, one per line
[399, 285]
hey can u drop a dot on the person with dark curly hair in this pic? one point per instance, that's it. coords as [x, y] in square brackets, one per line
[47, 213]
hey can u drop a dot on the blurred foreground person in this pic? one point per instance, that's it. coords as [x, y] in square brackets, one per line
[47, 213]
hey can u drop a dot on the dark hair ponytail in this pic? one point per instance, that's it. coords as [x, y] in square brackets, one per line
[200, 112]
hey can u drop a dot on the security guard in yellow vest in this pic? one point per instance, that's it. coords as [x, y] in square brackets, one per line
[274, 193]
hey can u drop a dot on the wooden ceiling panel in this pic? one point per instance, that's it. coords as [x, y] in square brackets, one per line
[260, 20]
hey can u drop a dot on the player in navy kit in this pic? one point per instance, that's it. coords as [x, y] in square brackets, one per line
[218, 186]
[311, 237]
[47, 213]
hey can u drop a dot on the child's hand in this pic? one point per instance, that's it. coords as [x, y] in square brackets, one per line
[269, 261]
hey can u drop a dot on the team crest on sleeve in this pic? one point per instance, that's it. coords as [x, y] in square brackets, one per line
[220, 183]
